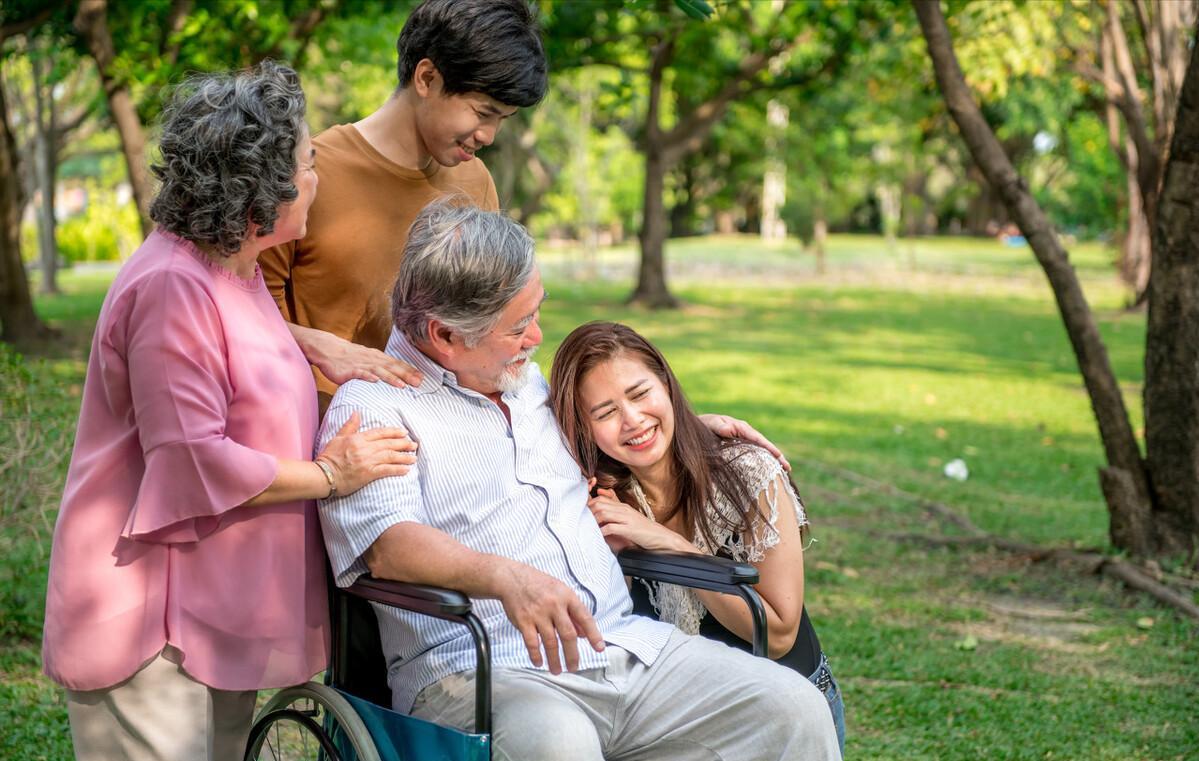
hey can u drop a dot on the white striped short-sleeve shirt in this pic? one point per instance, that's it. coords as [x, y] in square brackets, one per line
[510, 490]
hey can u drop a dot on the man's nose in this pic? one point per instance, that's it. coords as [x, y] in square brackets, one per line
[533, 334]
[485, 134]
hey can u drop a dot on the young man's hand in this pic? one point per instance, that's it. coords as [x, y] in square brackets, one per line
[340, 360]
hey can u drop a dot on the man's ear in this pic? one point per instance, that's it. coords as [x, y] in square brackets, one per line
[426, 79]
[443, 340]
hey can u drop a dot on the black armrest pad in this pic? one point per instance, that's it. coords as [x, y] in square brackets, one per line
[432, 601]
[701, 571]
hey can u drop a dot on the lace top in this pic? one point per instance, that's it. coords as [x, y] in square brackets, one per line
[764, 477]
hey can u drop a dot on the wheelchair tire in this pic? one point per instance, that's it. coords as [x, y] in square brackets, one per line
[298, 724]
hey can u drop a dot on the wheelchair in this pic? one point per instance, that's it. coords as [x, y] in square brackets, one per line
[347, 717]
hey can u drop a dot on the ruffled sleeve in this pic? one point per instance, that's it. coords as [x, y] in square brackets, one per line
[180, 392]
[764, 477]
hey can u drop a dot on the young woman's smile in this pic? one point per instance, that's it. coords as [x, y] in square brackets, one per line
[629, 411]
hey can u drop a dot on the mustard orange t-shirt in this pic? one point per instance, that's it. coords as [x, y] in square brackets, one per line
[339, 276]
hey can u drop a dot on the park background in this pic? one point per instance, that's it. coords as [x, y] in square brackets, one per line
[776, 194]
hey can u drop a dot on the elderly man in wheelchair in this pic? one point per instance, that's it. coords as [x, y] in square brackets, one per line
[536, 655]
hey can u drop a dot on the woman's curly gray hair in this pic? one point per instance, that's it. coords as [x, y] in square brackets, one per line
[229, 155]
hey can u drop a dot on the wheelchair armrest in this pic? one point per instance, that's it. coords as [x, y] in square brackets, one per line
[688, 570]
[420, 598]
[703, 572]
[437, 602]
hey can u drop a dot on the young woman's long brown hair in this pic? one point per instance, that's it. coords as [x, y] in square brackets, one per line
[700, 464]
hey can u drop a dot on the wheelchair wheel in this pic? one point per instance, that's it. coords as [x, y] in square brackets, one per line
[311, 722]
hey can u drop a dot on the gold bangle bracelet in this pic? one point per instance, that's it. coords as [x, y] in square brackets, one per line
[328, 471]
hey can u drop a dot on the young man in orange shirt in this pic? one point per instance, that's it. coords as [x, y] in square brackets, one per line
[464, 66]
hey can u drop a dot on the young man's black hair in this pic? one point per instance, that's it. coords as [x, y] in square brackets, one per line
[487, 46]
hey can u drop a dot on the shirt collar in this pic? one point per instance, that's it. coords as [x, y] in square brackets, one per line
[434, 376]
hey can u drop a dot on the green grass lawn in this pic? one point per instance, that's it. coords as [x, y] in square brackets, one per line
[894, 362]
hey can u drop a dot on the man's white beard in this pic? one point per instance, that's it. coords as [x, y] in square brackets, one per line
[510, 379]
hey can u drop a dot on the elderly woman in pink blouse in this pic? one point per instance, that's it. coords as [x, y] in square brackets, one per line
[187, 569]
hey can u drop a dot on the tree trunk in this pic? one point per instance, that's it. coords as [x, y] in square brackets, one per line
[46, 163]
[92, 23]
[665, 148]
[774, 183]
[1124, 481]
[1145, 151]
[819, 237]
[651, 276]
[682, 214]
[985, 214]
[1171, 393]
[651, 287]
[1136, 253]
[18, 321]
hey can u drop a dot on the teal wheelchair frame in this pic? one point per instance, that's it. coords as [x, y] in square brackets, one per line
[346, 718]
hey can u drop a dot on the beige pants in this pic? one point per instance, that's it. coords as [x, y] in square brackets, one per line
[160, 714]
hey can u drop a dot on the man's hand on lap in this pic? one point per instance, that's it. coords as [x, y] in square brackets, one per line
[545, 611]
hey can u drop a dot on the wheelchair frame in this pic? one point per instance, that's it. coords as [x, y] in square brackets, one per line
[369, 681]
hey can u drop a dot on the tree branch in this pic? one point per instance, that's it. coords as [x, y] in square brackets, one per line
[661, 59]
[301, 30]
[21, 26]
[693, 128]
[168, 46]
[1148, 164]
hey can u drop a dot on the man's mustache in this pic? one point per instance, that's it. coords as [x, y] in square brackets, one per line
[524, 354]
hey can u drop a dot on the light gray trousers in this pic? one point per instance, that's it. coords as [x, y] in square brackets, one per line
[700, 700]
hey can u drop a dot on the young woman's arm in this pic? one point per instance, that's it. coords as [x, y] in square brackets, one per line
[782, 580]
[781, 570]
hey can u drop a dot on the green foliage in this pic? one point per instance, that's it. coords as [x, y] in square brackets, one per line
[35, 441]
[696, 9]
[600, 174]
[105, 231]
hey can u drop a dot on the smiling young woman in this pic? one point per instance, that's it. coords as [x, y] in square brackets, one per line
[664, 481]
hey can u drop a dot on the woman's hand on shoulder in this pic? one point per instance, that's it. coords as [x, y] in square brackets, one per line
[624, 526]
[357, 458]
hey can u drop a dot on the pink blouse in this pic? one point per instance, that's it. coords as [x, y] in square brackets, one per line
[194, 388]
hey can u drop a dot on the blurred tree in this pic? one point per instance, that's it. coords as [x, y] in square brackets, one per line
[1138, 61]
[693, 72]
[1153, 502]
[18, 320]
[55, 97]
[91, 21]
[147, 45]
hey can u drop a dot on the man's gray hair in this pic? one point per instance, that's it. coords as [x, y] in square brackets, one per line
[461, 267]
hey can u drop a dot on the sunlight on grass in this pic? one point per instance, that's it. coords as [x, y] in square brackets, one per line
[895, 362]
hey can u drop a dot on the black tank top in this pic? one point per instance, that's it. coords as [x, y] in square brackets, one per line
[803, 657]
